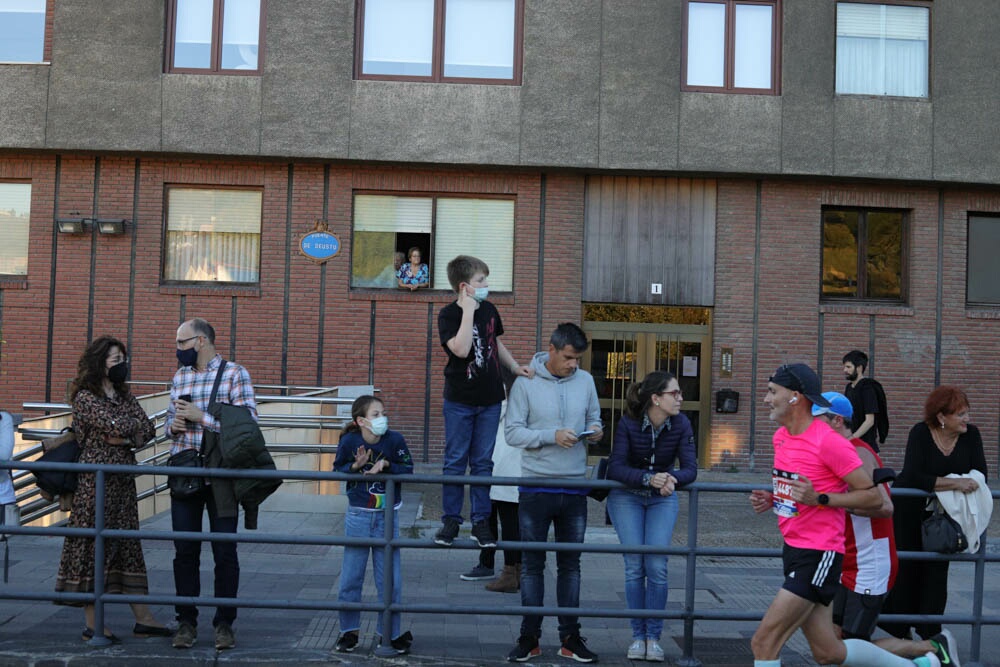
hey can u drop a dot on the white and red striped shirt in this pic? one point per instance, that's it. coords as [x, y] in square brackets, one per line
[870, 562]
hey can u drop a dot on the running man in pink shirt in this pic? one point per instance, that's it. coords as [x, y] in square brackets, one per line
[817, 474]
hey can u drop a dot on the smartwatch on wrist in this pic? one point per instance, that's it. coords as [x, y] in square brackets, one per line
[823, 499]
[647, 478]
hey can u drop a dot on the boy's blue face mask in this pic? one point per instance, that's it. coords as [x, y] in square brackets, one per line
[481, 293]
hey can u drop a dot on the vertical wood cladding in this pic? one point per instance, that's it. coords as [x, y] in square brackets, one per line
[644, 230]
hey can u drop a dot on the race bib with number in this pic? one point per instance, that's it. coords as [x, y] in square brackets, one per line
[784, 505]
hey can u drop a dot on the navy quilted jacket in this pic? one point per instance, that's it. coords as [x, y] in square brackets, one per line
[634, 453]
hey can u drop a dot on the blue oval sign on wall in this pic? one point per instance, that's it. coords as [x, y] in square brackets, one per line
[319, 246]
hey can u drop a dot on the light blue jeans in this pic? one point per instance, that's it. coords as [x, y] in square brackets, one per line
[470, 432]
[364, 523]
[645, 520]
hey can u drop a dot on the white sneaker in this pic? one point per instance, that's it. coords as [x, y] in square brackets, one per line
[637, 650]
[928, 659]
[654, 652]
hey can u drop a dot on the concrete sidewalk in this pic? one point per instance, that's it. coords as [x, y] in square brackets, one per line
[41, 633]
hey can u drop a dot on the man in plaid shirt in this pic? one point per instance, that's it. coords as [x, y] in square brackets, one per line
[186, 424]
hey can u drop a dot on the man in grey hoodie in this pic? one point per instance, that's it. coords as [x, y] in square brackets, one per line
[549, 417]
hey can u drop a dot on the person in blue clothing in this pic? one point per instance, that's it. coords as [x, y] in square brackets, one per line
[653, 453]
[369, 447]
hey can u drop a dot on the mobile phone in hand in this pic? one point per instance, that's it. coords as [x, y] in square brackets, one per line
[185, 397]
[583, 434]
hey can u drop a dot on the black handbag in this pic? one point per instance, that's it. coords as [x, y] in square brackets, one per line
[183, 487]
[60, 449]
[601, 473]
[942, 534]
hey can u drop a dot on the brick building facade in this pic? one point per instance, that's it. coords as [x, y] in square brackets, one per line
[103, 127]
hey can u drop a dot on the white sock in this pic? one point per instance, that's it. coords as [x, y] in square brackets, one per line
[767, 663]
[865, 654]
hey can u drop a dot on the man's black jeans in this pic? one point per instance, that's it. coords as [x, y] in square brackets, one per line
[186, 516]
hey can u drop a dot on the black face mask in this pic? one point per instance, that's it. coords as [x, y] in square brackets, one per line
[188, 357]
[118, 373]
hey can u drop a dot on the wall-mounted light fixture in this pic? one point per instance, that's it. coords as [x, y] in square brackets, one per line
[111, 225]
[71, 225]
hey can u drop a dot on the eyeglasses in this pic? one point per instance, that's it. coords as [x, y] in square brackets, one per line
[187, 340]
[676, 393]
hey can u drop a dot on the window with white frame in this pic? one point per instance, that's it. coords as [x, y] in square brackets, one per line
[22, 31]
[883, 49]
[440, 40]
[15, 216]
[212, 235]
[441, 227]
[220, 36]
[732, 46]
[982, 287]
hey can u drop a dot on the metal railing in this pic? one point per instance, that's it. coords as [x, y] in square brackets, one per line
[690, 552]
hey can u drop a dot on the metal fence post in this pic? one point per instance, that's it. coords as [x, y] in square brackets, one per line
[384, 648]
[691, 560]
[99, 502]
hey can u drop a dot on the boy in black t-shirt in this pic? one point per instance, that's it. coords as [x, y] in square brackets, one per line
[470, 330]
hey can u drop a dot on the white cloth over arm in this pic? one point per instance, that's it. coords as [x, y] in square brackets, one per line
[971, 510]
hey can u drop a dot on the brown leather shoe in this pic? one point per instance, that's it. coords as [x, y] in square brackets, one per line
[507, 582]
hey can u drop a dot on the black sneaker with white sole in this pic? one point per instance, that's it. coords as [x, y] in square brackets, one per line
[525, 649]
[483, 536]
[347, 642]
[447, 533]
[946, 648]
[575, 647]
[478, 573]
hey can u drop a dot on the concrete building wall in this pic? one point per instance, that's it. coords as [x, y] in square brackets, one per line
[600, 90]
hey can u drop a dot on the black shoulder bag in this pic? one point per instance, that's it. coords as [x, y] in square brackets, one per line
[941, 533]
[183, 486]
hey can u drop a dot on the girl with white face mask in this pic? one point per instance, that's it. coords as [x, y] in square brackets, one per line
[368, 447]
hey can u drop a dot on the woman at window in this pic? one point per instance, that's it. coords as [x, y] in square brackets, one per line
[414, 275]
[943, 443]
[108, 422]
[651, 438]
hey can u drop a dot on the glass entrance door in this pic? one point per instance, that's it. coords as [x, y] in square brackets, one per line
[622, 353]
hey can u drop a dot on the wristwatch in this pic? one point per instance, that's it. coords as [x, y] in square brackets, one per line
[823, 499]
[647, 478]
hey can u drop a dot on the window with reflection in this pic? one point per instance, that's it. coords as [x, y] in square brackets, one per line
[732, 46]
[883, 49]
[212, 235]
[982, 286]
[440, 40]
[15, 217]
[215, 36]
[22, 31]
[863, 254]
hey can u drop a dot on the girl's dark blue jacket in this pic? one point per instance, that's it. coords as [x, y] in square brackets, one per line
[633, 450]
[391, 446]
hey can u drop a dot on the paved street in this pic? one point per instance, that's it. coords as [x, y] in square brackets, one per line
[37, 633]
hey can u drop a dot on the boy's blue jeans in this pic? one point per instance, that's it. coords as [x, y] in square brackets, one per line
[644, 519]
[362, 523]
[470, 431]
[567, 513]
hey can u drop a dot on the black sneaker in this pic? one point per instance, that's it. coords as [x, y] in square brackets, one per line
[525, 649]
[483, 536]
[348, 641]
[575, 647]
[401, 644]
[447, 533]
[478, 573]
[946, 649]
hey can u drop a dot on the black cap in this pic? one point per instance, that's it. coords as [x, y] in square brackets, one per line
[801, 378]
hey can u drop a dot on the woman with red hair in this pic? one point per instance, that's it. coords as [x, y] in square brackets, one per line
[943, 443]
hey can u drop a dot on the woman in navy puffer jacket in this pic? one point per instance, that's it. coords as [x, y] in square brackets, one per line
[653, 453]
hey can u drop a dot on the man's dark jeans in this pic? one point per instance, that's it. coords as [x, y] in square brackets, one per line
[567, 512]
[186, 515]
